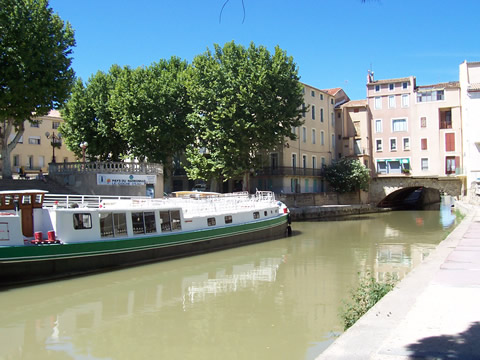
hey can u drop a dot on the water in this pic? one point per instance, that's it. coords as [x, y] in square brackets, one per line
[275, 300]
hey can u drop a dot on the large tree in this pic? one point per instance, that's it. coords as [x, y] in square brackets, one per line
[35, 67]
[245, 101]
[347, 175]
[89, 118]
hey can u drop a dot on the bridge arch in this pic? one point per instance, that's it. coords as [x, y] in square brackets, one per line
[413, 197]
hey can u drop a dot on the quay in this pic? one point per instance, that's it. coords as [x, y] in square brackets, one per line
[433, 313]
[331, 211]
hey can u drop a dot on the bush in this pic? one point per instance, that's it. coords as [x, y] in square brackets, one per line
[368, 293]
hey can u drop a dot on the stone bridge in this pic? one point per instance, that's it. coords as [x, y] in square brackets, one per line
[381, 187]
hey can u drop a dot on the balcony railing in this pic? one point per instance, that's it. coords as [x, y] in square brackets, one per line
[105, 167]
[288, 171]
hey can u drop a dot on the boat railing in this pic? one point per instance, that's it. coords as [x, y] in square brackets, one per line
[85, 201]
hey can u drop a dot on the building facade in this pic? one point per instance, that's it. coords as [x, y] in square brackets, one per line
[36, 150]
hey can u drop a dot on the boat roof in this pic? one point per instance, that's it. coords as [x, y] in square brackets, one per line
[31, 191]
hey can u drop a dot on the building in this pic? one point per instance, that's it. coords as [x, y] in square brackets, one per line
[415, 130]
[470, 99]
[296, 165]
[35, 150]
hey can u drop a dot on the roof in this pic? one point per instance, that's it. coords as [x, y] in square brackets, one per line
[389, 81]
[448, 85]
[474, 87]
[313, 87]
[333, 91]
[356, 103]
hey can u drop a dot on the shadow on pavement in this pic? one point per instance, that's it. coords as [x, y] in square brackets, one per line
[464, 346]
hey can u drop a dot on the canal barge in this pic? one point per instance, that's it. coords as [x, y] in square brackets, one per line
[45, 236]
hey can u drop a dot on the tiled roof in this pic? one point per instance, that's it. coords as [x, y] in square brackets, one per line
[449, 85]
[355, 103]
[389, 81]
[474, 87]
[333, 91]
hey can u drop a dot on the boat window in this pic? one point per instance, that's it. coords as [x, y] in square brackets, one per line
[8, 199]
[176, 223]
[256, 215]
[165, 218]
[26, 199]
[211, 221]
[265, 213]
[120, 224]
[82, 221]
[138, 223]
[150, 226]
[38, 198]
[228, 219]
[106, 224]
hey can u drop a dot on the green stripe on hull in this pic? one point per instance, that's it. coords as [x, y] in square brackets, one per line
[111, 246]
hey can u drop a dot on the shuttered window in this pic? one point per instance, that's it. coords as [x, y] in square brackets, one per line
[450, 142]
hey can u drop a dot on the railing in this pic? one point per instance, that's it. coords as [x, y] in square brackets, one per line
[74, 201]
[105, 166]
[282, 170]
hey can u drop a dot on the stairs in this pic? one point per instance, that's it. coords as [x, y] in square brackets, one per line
[51, 186]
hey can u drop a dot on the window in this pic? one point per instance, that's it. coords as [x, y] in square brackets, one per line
[450, 142]
[332, 115]
[304, 134]
[391, 101]
[321, 114]
[405, 100]
[424, 164]
[333, 141]
[304, 161]
[445, 119]
[256, 215]
[294, 161]
[314, 136]
[314, 162]
[393, 144]
[211, 221]
[430, 95]
[228, 219]
[381, 167]
[323, 162]
[391, 87]
[303, 109]
[378, 126]
[394, 167]
[35, 124]
[331, 101]
[423, 144]
[176, 223]
[450, 165]
[274, 160]
[405, 85]
[16, 160]
[34, 140]
[399, 125]
[378, 144]
[423, 122]
[357, 147]
[294, 130]
[322, 138]
[55, 124]
[378, 102]
[377, 88]
[313, 112]
[165, 220]
[321, 96]
[313, 93]
[406, 143]
[82, 221]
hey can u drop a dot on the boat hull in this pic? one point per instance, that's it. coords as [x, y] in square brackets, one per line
[26, 264]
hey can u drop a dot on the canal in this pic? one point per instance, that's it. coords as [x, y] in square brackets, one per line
[275, 300]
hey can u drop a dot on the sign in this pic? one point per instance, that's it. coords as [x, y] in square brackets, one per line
[129, 180]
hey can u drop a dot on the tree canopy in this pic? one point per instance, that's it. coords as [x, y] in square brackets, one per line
[35, 66]
[129, 113]
[347, 175]
[244, 101]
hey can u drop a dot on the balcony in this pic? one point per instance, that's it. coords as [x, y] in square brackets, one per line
[289, 171]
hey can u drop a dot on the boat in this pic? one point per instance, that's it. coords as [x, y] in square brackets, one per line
[46, 236]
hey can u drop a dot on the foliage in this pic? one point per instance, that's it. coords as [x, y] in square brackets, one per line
[364, 297]
[35, 73]
[88, 117]
[244, 101]
[130, 113]
[347, 175]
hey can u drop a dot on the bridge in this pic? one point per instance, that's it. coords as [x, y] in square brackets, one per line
[390, 190]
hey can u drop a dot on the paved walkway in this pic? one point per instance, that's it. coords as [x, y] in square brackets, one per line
[434, 313]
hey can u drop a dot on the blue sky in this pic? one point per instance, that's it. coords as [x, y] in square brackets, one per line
[333, 42]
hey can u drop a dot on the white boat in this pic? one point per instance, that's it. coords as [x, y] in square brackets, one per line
[44, 236]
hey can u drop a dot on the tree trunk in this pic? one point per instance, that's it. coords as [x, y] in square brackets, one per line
[7, 148]
[246, 181]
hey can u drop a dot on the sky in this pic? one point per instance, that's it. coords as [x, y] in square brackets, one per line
[333, 42]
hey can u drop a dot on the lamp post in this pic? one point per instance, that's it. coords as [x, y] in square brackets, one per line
[55, 140]
[83, 146]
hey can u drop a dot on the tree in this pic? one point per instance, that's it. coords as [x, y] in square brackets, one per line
[151, 108]
[35, 67]
[347, 175]
[245, 101]
[89, 118]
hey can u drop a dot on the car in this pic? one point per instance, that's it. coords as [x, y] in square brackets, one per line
[199, 187]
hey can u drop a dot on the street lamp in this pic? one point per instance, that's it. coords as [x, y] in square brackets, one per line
[83, 146]
[55, 140]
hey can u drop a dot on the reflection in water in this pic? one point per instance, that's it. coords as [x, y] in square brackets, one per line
[276, 300]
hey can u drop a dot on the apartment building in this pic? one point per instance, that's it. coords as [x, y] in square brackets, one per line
[295, 166]
[415, 129]
[470, 99]
[36, 150]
